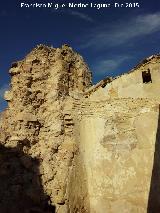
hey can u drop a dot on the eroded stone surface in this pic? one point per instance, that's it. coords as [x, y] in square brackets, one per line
[70, 147]
[117, 144]
[39, 121]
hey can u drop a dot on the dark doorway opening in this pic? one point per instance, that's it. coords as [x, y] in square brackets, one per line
[146, 75]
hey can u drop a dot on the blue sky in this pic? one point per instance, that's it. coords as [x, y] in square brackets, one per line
[111, 40]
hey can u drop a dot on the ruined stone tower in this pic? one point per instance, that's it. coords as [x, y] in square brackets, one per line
[38, 122]
[69, 147]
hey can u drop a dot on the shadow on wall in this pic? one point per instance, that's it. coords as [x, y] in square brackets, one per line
[78, 187]
[21, 190]
[154, 194]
